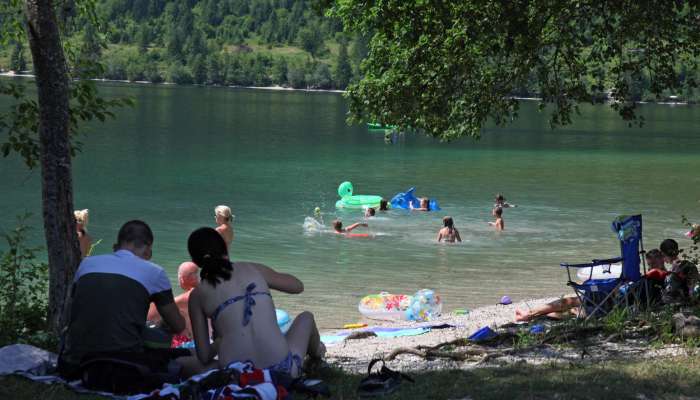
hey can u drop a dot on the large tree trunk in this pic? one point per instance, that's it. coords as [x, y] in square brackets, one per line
[57, 188]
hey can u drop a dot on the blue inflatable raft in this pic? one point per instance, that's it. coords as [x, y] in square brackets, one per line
[403, 199]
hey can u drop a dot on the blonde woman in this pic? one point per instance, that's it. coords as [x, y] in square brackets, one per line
[224, 219]
[81, 222]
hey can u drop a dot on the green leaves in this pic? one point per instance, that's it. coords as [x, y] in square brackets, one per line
[449, 67]
[23, 288]
[20, 123]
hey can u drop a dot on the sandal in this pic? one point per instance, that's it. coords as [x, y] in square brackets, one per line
[380, 383]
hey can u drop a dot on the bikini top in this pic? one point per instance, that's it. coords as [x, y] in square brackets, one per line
[248, 304]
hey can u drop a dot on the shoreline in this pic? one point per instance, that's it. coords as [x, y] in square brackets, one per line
[272, 88]
[11, 74]
[354, 355]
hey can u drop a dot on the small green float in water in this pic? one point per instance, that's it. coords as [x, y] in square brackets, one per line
[379, 127]
[347, 200]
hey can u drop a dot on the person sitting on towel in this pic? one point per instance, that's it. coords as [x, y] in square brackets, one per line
[110, 298]
[236, 297]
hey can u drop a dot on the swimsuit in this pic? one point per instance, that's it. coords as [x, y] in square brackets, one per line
[289, 362]
[248, 304]
[285, 366]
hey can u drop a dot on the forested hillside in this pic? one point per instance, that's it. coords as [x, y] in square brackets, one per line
[241, 42]
[224, 42]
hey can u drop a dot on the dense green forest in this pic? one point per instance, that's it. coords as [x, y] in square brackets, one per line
[235, 42]
[218, 42]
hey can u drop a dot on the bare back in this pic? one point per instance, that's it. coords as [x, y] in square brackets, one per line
[226, 232]
[261, 340]
[449, 235]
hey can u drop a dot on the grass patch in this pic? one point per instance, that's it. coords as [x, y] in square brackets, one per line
[671, 378]
[14, 387]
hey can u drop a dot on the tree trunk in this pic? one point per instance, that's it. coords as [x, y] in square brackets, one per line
[57, 188]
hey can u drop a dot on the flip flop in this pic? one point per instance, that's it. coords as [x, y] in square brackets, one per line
[380, 383]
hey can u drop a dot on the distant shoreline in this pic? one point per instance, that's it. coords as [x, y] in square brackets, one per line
[274, 87]
[11, 74]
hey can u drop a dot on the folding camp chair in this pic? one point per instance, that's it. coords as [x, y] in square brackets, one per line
[599, 296]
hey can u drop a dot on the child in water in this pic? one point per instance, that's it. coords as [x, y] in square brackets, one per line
[498, 223]
[383, 205]
[449, 233]
[338, 226]
[318, 215]
[370, 212]
[501, 202]
[424, 205]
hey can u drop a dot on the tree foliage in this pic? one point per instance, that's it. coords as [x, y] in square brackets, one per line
[42, 126]
[449, 67]
[23, 300]
[144, 39]
[343, 69]
[17, 60]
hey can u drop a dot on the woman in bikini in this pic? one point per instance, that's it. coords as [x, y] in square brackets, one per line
[449, 233]
[235, 296]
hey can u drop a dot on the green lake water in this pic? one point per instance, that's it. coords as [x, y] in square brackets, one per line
[274, 156]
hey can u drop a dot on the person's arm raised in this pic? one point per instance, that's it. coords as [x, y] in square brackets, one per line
[355, 225]
[279, 281]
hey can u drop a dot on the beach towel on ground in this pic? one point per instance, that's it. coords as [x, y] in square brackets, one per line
[379, 331]
[237, 381]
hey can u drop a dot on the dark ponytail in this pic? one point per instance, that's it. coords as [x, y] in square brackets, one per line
[208, 250]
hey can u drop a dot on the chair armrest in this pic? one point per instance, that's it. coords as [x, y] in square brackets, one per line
[592, 264]
[607, 261]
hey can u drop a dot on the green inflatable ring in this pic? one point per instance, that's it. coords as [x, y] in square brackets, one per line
[348, 200]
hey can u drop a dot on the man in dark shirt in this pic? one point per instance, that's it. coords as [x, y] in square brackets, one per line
[110, 298]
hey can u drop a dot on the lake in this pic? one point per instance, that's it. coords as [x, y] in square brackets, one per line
[274, 156]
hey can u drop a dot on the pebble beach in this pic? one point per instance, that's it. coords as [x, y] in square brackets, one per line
[355, 354]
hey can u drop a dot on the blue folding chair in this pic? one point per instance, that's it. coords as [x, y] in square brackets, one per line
[598, 296]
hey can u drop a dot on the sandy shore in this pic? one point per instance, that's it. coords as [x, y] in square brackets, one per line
[355, 354]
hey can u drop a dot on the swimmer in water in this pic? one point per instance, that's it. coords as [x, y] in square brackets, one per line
[449, 233]
[318, 216]
[370, 212]
[424, 205]
[383, 205]
[224, 219]
[498, 223]
[338, 226]
[501, 202]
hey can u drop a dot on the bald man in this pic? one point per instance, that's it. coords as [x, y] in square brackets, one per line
[188, 277]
